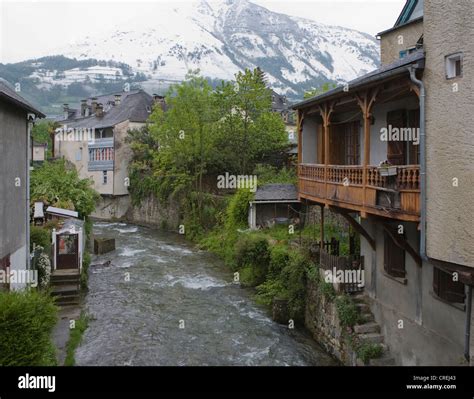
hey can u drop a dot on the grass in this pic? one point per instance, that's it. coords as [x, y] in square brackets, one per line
[75, 339]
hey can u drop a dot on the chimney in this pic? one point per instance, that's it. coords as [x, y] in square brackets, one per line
[117, 99]
[66, 111]
[99, 110]
[83, 107]
[157, 99]
[93, 104]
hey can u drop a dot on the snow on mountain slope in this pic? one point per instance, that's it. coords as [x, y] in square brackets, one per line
[222, 37]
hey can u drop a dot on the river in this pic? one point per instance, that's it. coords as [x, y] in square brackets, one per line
[161, 302]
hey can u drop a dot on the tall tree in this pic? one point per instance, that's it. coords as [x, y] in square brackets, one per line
[248, 130]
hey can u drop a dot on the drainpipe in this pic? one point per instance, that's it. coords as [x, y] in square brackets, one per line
[30, 119]
[467, 338]
[422, 144]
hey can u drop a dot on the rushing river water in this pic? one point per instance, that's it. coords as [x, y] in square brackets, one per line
[173, 285]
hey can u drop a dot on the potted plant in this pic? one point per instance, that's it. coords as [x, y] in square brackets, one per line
[387, 169]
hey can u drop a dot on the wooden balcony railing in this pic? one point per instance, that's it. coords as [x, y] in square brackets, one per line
[393, 196]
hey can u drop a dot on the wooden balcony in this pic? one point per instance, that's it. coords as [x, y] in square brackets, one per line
[366, 191]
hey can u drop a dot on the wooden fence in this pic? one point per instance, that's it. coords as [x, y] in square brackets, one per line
[348, 268]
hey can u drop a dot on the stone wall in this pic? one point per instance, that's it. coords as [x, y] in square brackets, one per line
[152, 212]
[322, 320]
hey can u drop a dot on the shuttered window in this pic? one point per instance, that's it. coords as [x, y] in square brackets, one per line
[394, 258]
[446, 288]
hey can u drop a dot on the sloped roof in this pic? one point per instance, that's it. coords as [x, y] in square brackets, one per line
[10, 95]
[412, 10]
[136, 107]
[385, 71]
[276, 192]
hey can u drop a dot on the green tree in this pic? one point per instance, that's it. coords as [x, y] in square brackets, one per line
[43, 132]
[320, 90]
[58, 184]
[248, 130]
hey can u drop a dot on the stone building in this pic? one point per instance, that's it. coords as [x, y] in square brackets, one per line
[93, 138]
[393, 152]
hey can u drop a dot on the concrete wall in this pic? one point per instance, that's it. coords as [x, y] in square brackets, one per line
[13, 164]
[390, 46]
[449, 132]
[432, 331]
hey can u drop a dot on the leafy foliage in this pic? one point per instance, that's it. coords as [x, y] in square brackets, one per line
[204, 133]
[75, 338]
[26, 323]
[347, 311]
[320, 90]
[367, 350]
[59, 185]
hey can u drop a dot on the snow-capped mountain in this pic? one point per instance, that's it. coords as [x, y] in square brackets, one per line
[222, 37]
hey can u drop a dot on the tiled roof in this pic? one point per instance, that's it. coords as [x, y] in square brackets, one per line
[385, 71]
[276, 192]
[134, 106]
[10, 95]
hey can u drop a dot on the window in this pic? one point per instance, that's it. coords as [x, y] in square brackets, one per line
[454, 66]
[104, 177]
[404, 53]
[394, 257]
[445, 287]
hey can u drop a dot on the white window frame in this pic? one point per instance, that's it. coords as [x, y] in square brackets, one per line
[450, 65]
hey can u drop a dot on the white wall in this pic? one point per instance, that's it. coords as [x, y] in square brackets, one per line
[309, 140]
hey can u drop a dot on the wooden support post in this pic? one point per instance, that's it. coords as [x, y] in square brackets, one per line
[357, 226]
[326, 110]
[322, 228]
[299, 126]
[366, 101]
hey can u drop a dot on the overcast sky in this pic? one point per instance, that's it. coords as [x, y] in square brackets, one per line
[33, 28]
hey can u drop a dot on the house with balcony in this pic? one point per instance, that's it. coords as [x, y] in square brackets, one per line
[388, 152]
[93, 138]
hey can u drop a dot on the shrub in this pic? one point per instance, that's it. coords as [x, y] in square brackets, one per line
[42, 264]
[327, 289]
[86, 261]
[269, 290]
[347, 311]
[366, 351]
[26, 322]
[238, 208]
[294, 276]
[279, 257]
[252, 250]
[40, 237]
